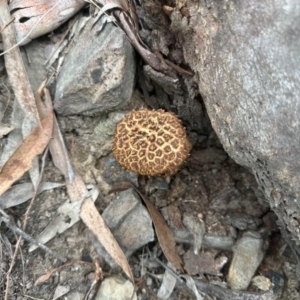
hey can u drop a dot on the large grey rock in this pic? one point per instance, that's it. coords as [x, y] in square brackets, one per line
[246, 55]
[98, 72]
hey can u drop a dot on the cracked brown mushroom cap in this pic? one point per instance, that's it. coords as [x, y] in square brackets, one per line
[151, 142]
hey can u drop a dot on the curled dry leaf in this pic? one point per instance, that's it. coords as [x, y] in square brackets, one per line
[34, 18]
[163, 232]
[21, 159]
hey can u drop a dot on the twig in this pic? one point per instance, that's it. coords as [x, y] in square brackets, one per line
[61, 40]
[35, 192]
[6, 25]
[227, 294]
[28, 238]
[23, 234]
[220, 292]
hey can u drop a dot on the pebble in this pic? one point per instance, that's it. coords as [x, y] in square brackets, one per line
[248, 254]
[116, 288]
[262, 282]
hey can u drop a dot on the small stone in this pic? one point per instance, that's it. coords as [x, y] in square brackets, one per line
[172, 214]
[247, 257]
[129, 222]
[196, 227]
[158, 183]
[243, 221]
[262, 282]
[116, 288]
[29, 285]
[74, 295]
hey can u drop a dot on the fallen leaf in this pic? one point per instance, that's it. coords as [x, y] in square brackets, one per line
[60, 291]
[164, 234]
[67, 215]
[22, 192]
[92, 219]
[34, 18]
[78, 191]
[192, 285]
[168, 283]
[15, 68]
[21, 159]
[59, 150]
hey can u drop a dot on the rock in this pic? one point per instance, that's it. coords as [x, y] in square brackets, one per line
[262, 282]
[129, 222]
[248, 254]
[247, 59]
[158, 183]
[99, 79]
[209, 241]
[218, 242]
[196, 227]
[172, 214]
[112, 172]
[242, 221]
[116, 288]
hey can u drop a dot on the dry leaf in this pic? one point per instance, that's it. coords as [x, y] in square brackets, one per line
[22, 192]
[21, 159]
[92, 219]
[163, 232]
[15, 67]
[57, 145]
[60, 291]
[67, 215]
[34, 18]
[77, 191]
[168, 283]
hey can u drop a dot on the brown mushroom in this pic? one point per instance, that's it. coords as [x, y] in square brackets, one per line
[151, 142]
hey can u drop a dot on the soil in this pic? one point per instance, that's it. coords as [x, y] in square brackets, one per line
[210, 187]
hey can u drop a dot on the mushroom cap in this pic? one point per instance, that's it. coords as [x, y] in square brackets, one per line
[151, 142]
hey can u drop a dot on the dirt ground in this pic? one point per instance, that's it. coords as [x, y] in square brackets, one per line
[210, 187]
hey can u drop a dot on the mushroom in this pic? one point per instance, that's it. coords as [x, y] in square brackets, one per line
[151, 142]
